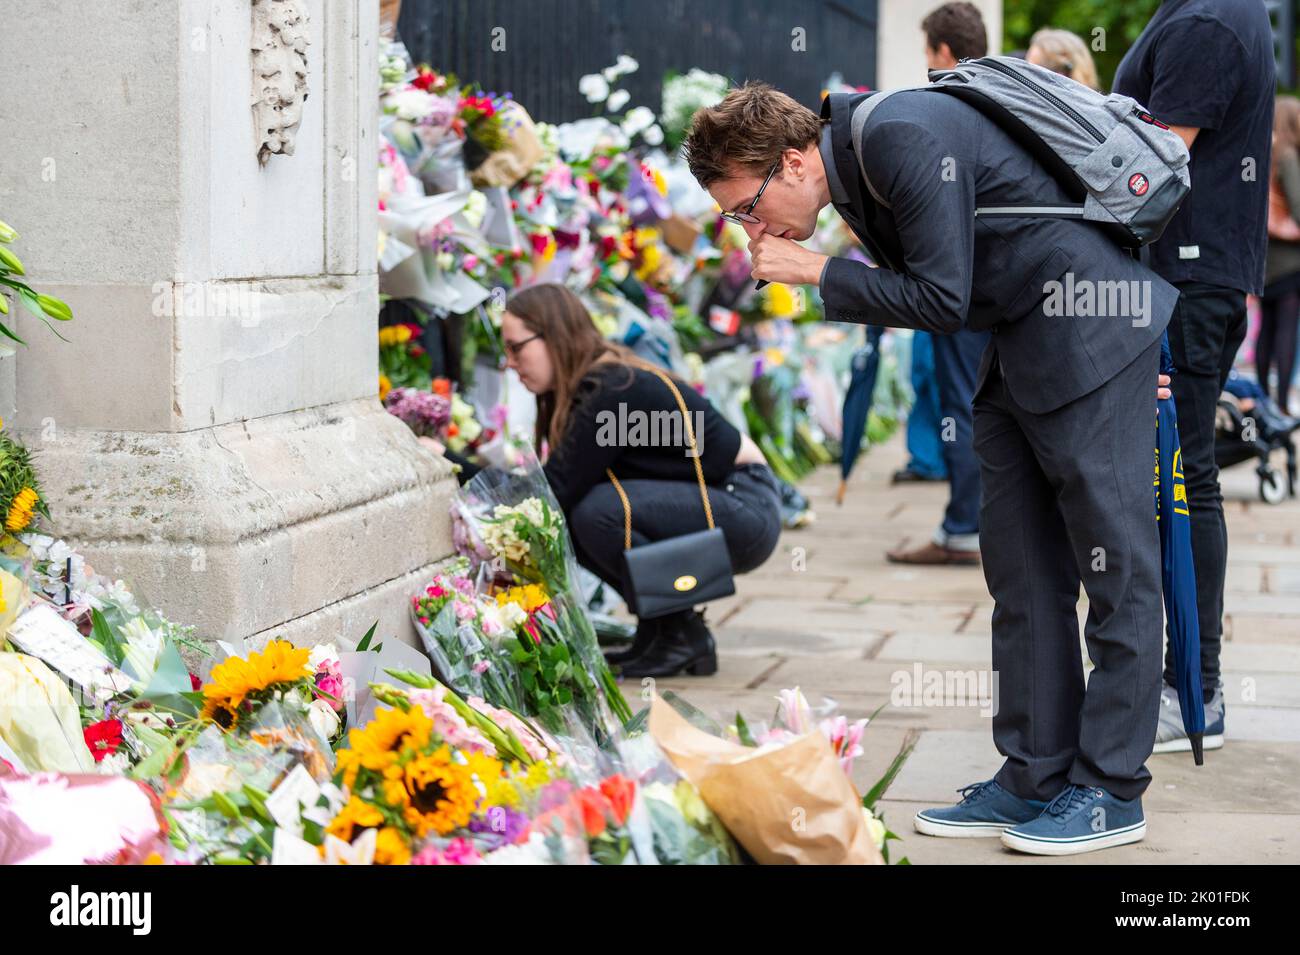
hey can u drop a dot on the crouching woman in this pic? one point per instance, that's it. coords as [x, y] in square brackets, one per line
[596, 405]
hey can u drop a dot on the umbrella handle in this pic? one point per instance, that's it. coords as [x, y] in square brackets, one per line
[839, 494]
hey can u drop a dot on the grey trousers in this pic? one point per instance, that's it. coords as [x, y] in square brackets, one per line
[1068, 499]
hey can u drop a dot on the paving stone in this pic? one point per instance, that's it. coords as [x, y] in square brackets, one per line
[1198, 838]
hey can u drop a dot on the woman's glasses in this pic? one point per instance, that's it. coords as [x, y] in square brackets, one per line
[748, 214]
[514, 348]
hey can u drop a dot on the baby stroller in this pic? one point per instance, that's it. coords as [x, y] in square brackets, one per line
[1249, 426]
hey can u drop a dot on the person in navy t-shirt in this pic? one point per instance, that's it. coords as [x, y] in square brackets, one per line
[1206, 68]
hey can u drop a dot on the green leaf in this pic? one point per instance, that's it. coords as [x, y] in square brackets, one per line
[742, 730]
[106, 638]
[225, 805]
[364, 645]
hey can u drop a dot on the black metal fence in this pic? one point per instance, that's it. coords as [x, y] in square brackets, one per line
[538, 49]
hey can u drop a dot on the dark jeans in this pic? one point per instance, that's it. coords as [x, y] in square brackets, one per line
[1279, 316]
[1207, 328]
[956, 368]
[747, 506]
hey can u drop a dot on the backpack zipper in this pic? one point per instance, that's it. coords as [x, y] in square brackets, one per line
[1064, 107]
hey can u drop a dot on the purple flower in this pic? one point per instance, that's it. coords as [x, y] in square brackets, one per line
[424, 412]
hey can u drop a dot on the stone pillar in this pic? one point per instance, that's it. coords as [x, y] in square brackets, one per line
[212, 433]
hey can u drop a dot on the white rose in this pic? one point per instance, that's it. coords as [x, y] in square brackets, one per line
[627, 64]
[638, 119]
[512, 615]
[617, 100]
[594, 87]
[654, 135]
[322, 653]
[875, 828]
[323, 719]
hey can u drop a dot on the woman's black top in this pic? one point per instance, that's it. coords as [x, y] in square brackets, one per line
[626, 419]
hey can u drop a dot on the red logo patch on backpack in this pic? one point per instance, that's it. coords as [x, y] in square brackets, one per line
[1138, 184]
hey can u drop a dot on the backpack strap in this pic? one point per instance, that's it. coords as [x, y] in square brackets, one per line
[859, 121]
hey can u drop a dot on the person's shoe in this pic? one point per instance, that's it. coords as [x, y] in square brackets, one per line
[646, 632]
[683, 643]
[986, 809]
[932, 553]
[908, 476]
[1170, 735]
[1080, 819]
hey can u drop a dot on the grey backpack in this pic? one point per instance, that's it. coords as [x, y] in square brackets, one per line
[1121, 166]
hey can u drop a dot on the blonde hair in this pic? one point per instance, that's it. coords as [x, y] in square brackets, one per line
[1065, 53]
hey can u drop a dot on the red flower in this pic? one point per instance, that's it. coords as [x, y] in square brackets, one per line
[620, 791]
[607, 245]
[103, 738]
[539, 243]
[591, 806]
[195, 683]
[441, 386]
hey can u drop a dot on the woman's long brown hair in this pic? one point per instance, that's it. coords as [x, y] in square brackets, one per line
[575, 345]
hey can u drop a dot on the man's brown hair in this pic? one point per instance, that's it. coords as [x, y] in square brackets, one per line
[747, 132]
[960, 26]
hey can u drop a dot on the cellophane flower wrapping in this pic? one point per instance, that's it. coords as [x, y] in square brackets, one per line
[509, 524]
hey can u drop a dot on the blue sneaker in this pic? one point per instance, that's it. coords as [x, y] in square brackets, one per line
[986, 809]
[1080, 819]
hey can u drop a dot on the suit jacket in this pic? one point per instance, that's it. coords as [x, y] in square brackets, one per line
[1037, 284]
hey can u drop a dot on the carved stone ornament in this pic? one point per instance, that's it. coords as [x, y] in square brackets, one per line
[279, 55]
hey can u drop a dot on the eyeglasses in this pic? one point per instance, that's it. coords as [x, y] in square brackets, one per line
[747, 215]
[514, 348]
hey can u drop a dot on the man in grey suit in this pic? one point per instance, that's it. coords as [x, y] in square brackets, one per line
[1064, 416]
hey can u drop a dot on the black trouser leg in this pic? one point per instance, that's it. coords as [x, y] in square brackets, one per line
[1207, 328]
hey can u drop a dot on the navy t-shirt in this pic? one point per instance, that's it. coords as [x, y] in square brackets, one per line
[1209, 64]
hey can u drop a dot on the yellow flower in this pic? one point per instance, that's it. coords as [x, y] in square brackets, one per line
[530, 597]
[652, 258]
[236, 679]
[385, 386]
[443, 794]
[780, 301]
[403, 334]
[20, 511]
[391, 847]
[357, 814]
[378, 744]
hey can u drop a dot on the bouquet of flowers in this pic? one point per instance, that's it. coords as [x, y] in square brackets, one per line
[463, 632]
[510, 521]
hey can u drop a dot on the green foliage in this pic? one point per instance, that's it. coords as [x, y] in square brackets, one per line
[1107, 27]
[43, 307]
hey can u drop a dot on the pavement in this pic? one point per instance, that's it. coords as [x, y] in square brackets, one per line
[828, 614]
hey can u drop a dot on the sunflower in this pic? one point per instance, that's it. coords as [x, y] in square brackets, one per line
[236, 679]
[443, 794]
[391, 847]
[378, 744]
[357, 814]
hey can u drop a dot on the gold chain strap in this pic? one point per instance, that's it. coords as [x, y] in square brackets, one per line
[695, 454]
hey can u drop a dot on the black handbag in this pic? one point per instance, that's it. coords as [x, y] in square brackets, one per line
[670, 575]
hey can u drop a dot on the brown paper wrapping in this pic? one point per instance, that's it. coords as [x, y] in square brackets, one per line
[507, 166]
[680, 233]
[789, 805]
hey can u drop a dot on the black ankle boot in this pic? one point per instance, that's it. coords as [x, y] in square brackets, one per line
[646, 633]
[684, 643]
